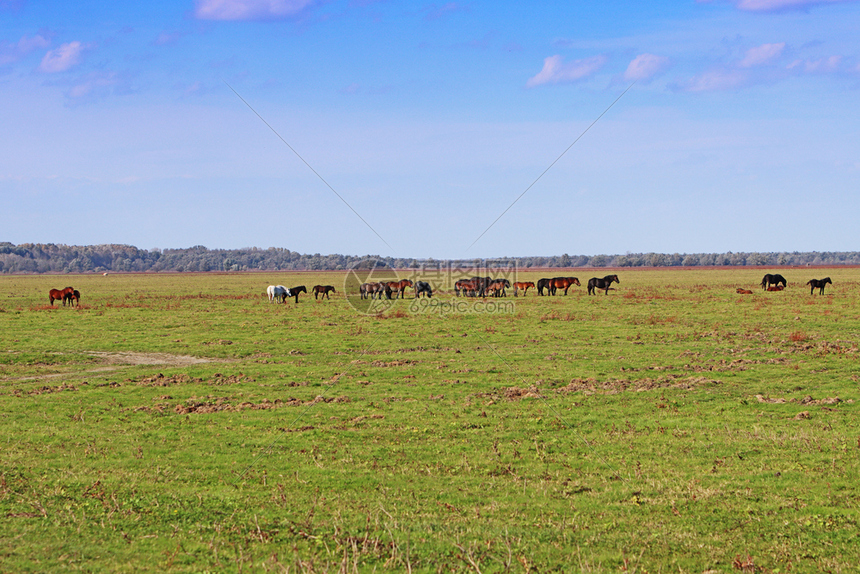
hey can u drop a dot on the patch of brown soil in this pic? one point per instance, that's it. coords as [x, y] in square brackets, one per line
[47, 390]
[131, 358]
[518, 393]
[613, 386]
[212, 404]
[807, 400]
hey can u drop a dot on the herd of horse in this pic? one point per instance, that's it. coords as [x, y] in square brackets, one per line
[474, 287]
[776, 282]
[68, 295]
[394, 289]
[280, 293]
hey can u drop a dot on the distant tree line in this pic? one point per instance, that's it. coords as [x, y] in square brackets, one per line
[52, 258]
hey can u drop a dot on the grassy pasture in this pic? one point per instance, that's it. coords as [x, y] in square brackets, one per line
[183, 423]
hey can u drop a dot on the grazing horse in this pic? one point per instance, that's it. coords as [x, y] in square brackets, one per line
[818, 284]
[423, 287]
[774, 279]
[497, 287]
[562, 283]
[524, 286]
[322, 291]
[775, 288]
[596, 283]
[277, 293]
[743, 291]
[542, 284]
[74, 298]
[59, 295]
[294, 292]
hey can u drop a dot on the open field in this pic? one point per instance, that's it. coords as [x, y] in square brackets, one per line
[183, 423]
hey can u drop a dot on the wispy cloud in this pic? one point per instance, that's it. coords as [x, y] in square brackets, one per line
[820, 66]
[717, 80]
[62, 58]
[10, 53]
[556, 71]
[94, 85]
[249, 9]
[434, 12]
[166, 38]
[644, 67]
[782, 5]
[762, 55]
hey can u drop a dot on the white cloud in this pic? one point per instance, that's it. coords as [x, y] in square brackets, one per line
[820, 66]
[778, 5]
[716, 80]
[166, 38]
[249, 9]
[93, 84]
[13, 52]
[761, 55]
[556, 71]
[62, 58]
[645, 66]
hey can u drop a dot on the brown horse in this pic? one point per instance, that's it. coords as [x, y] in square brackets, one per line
[775, 288]
[469, 287]
[562, 283]
[323, 291]
[59, 295]
[497, 287]
[524, 286]
[742, 291]
[398, 288]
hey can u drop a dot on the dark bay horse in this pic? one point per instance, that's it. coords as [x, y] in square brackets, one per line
[773, 279]
[74, 298]
[60, 295]
[818, 284]
[323, 291]
[524, 286]
[562, 283]
[597, 283]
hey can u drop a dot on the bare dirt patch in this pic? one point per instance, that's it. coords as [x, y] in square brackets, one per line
[132, 358]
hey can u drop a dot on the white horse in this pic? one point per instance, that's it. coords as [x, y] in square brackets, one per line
[277, 293]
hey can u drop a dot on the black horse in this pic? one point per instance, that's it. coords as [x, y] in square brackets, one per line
[774, 279]
[294, 292]
[597, 283]
[818, 284]
[423, 287]
[482, 284]
[543, 284]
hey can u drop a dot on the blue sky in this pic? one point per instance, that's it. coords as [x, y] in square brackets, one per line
[740, 131]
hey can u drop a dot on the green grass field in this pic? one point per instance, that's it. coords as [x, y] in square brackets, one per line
[183, 423]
